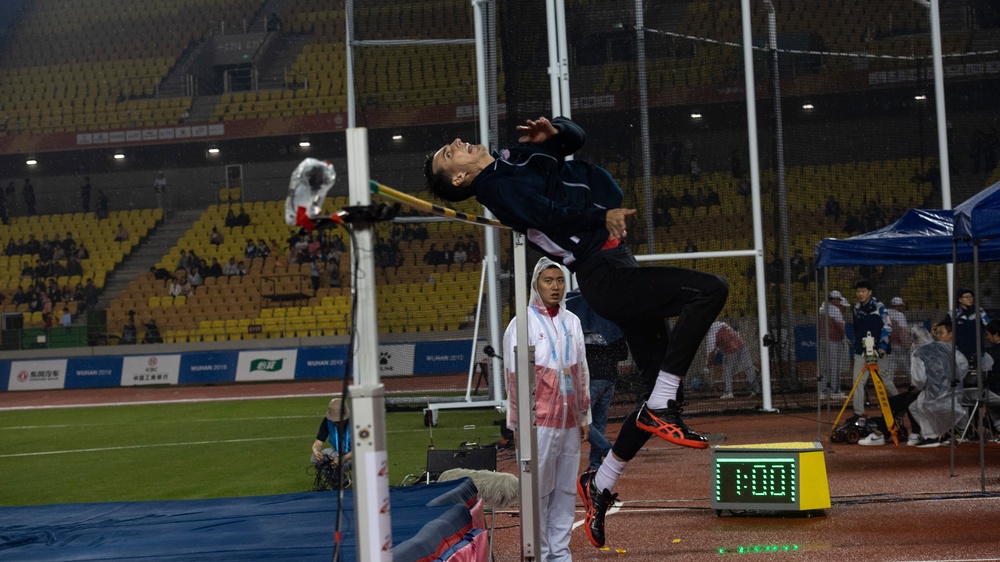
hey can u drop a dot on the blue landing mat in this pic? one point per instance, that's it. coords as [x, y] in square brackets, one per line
[281, 527]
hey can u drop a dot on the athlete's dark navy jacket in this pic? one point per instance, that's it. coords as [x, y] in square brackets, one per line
[872, 317]
[560, 206]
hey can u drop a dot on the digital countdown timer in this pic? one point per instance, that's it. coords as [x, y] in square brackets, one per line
[769, 477]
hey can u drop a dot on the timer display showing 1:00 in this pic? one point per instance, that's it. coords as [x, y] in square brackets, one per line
[756, 480]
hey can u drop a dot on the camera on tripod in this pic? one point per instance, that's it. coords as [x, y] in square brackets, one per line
[871, 355]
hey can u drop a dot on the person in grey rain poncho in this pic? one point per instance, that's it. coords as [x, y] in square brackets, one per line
[562, 402]
[930, 372]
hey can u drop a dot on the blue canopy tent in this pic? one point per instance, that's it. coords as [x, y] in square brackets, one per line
[922, 237]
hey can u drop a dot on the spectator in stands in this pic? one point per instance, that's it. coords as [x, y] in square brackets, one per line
[42, 269]
[432, 256]
[215, 237]
[687, 200]
[230, 268]
[90, 294]
[475, 253]
[314, 275]
[250, 252]
[67, 318]
[159, 273]
[242, 219]
[184, 262]
[58, 269]
[174, 287]
[263, 250]
[214, 270]
[28, 271]
[241, 269]
[29, 197]
[122, 234]
[160, 187]
[81, 252]
[332, 259]
[66, 294]
[194, 261]
[152, 332]
[723, 340]
[966, 314]
[230, 219]
[420, 234]
[196, 278]
[129, 332]
[446, 256]
[102, 205]
[459, 257]
[20, 297]
[85, 194]
[47, 321]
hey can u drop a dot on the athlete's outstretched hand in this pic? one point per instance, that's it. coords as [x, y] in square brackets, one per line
[614, 220]
[538, 130]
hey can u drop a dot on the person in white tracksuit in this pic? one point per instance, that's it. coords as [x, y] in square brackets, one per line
[562, 402]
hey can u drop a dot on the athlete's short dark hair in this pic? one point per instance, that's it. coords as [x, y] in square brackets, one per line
[863, 284]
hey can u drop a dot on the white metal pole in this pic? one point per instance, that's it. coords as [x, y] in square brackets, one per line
[758, 234]
[942, 130]
[349, 63]
[371, 462]
[491, 259]
[527, 442]
[562, 56]
[554, 67]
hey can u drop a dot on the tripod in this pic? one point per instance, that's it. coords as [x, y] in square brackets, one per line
[871, 368]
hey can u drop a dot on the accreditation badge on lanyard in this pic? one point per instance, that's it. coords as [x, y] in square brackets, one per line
[565, 373]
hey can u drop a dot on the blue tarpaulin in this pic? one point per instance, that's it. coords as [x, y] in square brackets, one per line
[921, 236]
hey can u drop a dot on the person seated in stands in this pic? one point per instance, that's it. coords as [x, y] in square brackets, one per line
[20, 297]
[446, 256]
[67, 294]
[250, 252]
[230, 219]
[214, 270]
[184, 262]
[275, 248]
[159, 273]
[241, 269]
[195, 261]
[82, 252]
[230, 268]
[459, 257]
[47, 321]
[69, 244]
[28, 271]
[242, 219]
[215, 237]
[122, 234]
[433, 256]
[475, 253]
[152, 333]
[263, 250]
[174, 287]
[11, 248]
[35, 302]
[33, 246]
[58, 269]
[195, 278]
[67, 318]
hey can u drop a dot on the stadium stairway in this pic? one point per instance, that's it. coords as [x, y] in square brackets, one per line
[152, 250]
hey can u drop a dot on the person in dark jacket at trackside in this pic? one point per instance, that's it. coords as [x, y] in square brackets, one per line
[870, 317]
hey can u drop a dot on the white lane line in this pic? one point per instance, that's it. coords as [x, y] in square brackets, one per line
[611, 511]
[170, 401]
[148, 446]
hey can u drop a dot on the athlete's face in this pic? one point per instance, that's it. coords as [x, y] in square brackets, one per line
[460, 161]
[551, 286]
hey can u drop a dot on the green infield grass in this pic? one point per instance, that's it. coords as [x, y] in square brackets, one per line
[197, 449]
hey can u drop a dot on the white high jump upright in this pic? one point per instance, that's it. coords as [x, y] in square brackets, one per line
[371, 463]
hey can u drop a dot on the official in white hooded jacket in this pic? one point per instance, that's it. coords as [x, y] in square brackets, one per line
[562, 402]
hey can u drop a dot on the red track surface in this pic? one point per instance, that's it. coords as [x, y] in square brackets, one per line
[889, 503]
